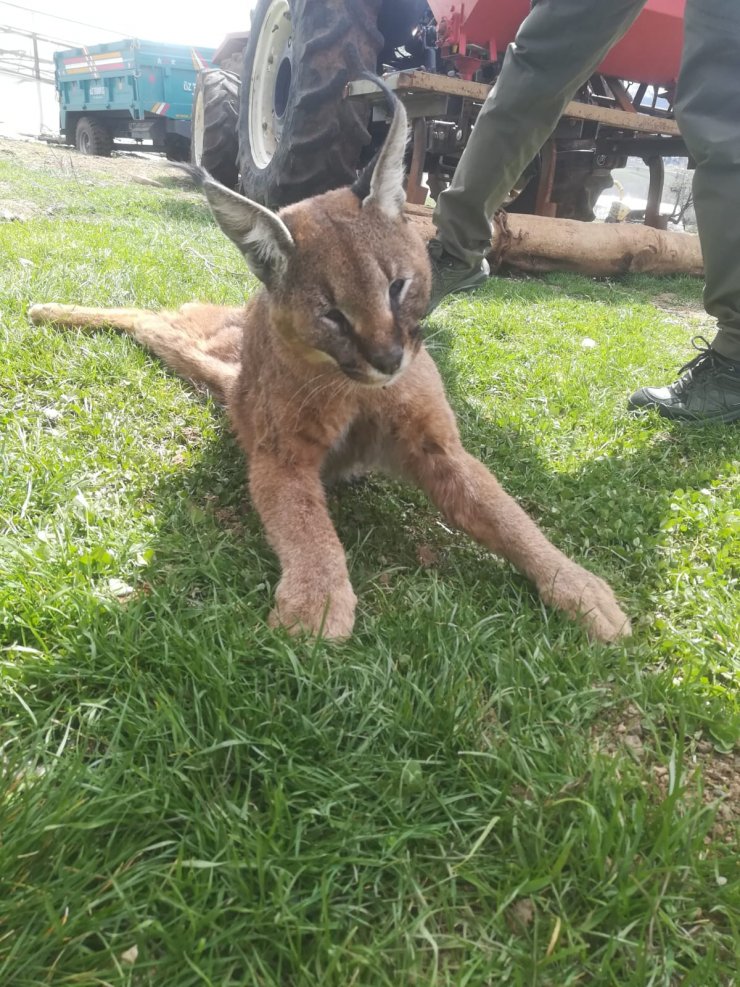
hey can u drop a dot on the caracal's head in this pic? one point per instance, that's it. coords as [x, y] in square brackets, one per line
[347, 274]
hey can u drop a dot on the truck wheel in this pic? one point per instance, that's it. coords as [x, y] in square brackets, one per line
[91, 137]
[298, 136]
[575, 190]
[578, 192]
[176, 147]
[215, 143]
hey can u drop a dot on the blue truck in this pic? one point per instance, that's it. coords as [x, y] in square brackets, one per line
[140, 90]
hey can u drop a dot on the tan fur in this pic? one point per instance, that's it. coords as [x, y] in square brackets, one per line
[303, 421]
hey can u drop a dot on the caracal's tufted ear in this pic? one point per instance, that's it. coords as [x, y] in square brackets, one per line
[262, 237]
[381, 183]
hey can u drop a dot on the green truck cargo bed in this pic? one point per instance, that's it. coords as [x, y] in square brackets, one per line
[128, 89]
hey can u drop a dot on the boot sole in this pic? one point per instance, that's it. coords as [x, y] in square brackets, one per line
[725, 419]
[471, 285]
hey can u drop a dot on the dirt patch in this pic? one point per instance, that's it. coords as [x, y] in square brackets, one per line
[66, 162]
[670, 303]
[16, 210]
[704, 768]
[685, 311]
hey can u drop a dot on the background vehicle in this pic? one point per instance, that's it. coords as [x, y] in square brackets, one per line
[128, 89]
[301, 122]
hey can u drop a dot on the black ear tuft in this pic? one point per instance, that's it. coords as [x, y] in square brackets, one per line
[361, 187]
[390, 97]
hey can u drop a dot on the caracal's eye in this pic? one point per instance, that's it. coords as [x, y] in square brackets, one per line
[395, 288]
[338, 320]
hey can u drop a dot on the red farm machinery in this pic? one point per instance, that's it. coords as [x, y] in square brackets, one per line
[284, 115]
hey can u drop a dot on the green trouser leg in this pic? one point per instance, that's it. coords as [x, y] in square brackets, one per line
[708, 113]
[557, 48]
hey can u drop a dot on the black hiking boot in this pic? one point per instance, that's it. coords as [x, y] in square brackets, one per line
[708, 391]
[450, 274]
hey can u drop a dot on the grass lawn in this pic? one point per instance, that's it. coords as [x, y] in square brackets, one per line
[467, 792]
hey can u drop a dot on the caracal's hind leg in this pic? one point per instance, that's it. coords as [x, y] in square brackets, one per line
[87, 317]
[180, 339]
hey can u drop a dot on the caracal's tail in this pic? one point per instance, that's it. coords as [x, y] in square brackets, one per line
[200, 342]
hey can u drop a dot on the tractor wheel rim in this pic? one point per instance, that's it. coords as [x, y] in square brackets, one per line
[270, 84]
[198, 128]
[85, 143]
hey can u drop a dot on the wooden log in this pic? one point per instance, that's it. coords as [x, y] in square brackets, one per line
[536, 244]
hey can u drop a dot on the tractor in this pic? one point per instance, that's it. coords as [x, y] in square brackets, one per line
[285, 114]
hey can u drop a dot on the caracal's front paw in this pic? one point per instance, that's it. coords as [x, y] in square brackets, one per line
[590, 601]
[302, 609]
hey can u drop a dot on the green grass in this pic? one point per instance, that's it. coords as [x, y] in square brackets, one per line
[443, 800]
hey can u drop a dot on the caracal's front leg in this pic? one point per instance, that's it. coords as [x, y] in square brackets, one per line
[314, 594]
[472, 499]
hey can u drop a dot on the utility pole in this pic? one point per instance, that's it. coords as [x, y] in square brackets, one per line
[27, 57]
[29, 65]
[37, 73]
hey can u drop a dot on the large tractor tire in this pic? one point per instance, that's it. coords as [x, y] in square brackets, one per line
[215, 143]
[176, 147]
[91, 137]
[298, 136]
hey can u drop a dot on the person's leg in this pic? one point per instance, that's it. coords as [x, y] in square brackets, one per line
[557, 48]
[708, 113]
